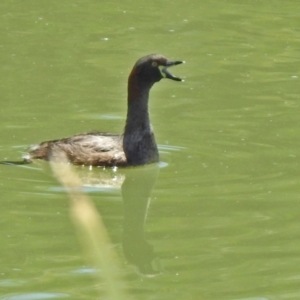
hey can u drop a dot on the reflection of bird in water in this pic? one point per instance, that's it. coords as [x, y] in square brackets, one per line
[136, 186]
[95, 179]
[136, 192]
[137, 146]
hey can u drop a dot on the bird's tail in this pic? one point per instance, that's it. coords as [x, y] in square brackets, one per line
[14, 163]
[26, 160]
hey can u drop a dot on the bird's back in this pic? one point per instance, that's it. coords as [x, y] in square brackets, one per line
[96, 149]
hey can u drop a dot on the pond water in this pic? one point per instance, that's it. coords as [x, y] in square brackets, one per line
[222, 221]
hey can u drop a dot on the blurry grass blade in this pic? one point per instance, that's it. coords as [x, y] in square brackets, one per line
[91, 230]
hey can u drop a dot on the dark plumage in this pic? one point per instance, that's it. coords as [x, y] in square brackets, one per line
[137, 145]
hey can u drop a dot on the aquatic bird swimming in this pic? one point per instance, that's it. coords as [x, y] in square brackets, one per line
[137, 145]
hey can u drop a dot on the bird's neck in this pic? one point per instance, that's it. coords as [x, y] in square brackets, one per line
[139, 143]
[137, 106]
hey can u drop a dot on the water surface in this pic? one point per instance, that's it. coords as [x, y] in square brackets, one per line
[223, 221]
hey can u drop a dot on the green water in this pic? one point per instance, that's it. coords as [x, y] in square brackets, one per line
[222, 222]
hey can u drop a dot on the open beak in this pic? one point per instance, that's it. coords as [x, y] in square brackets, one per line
[165, 72]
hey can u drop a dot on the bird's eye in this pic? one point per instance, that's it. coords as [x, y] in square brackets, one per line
[154, 64]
